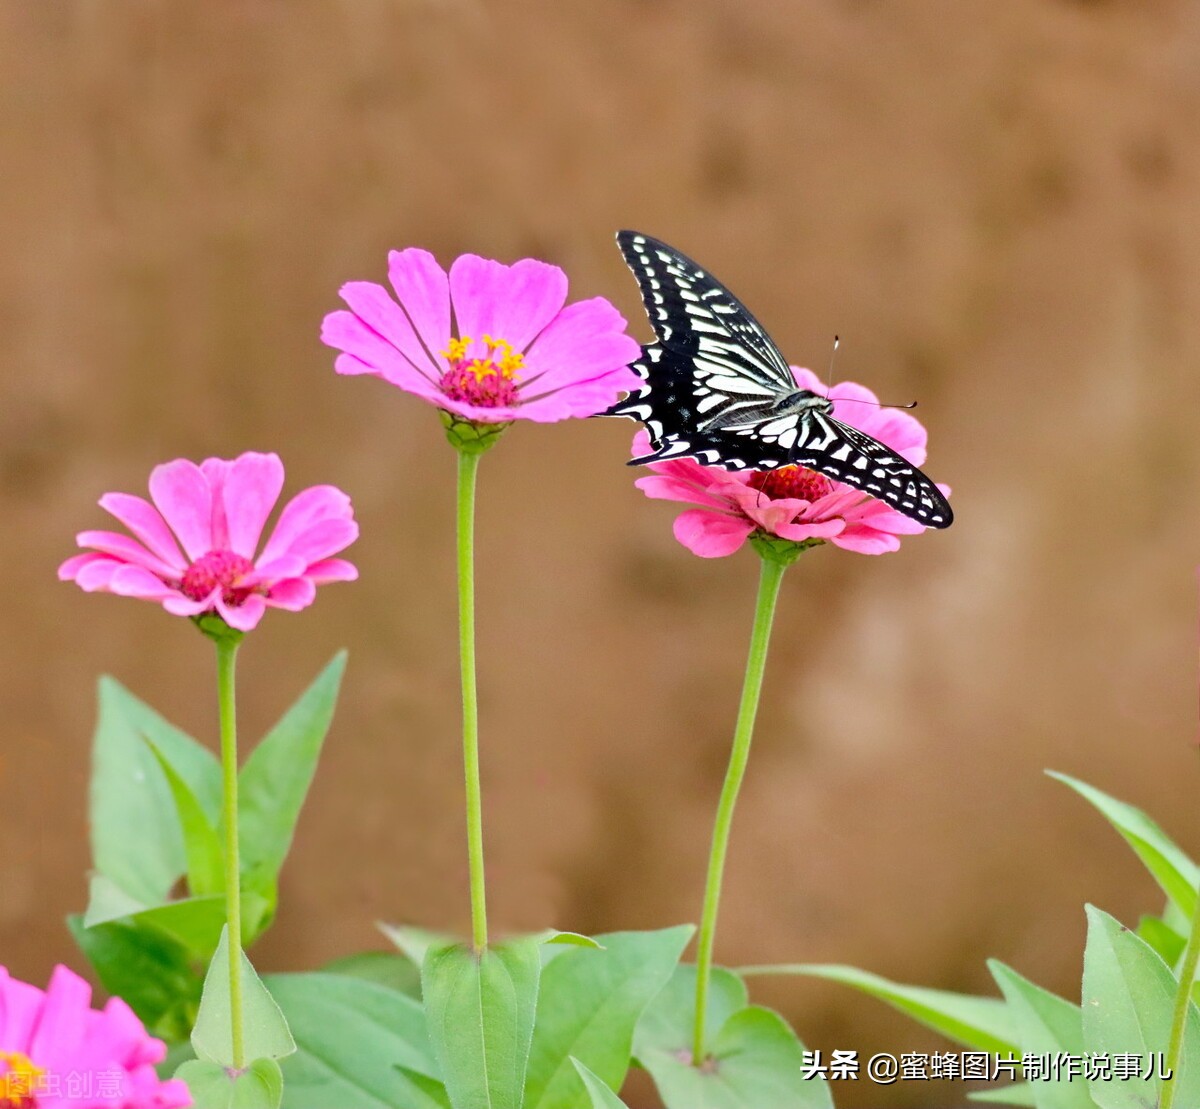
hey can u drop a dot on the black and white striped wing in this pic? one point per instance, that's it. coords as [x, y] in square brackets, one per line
[732, 362]
[846, 454]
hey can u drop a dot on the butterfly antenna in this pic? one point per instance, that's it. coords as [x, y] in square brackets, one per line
[856, 400]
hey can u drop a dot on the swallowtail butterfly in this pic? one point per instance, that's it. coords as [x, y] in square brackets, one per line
[717, 389]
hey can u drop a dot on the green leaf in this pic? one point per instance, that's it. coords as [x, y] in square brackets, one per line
[107, 901]
[1019, 1094]
[275, 780]
[1046, 1025]
[588, 1005]
[1128, 1003]
[152, 972]
[1175, 873]
[388, 968]
[196, 922]
[265, 1031]
[201, 845]
[666, 1025]
[430, 1089]
[755, 1061]
[359, 1045]
[1163, 938]
[259, 1086]
[414, 943]
[978, 1022]
[570, 939]
[480, 1010]
[602, 1097]
[136, 838]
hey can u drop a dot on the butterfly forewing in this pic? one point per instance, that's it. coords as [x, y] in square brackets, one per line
[694, 314]
[712, 382]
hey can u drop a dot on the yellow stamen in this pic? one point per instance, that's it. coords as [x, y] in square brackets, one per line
[456, 351]
[20, 1081]
[500, 359]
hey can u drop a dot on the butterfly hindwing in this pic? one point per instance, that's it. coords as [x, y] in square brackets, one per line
[716, 388]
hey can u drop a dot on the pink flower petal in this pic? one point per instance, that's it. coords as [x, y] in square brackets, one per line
[579, 399]
[179, 605]
[182, 494]
[292, 594]
[134, 581]
[866, 541]
[800, 530]
[585, 341]
[216, 471]
[143, 519]
[62, 1019]
[91, 1056]
[424, 293]
[243, 617]
[320, 502]
[375, 308]
[286, 566]
[331, 569]
[667, 487]
[96, 576]
[710, 535]
[20, 1006]
[322, 539]
[512, 302]
[477, 413]
[346, 332]
[70, 569]
[252, 487]
[125, 549]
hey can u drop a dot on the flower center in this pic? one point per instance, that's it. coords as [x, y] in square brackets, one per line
[223, 568]
[795, 482]
[489, 382]
[20, 1081]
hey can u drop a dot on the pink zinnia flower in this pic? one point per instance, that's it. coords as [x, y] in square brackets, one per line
[513, 352]
[193, 549]
[791, 502]
[56, 1052]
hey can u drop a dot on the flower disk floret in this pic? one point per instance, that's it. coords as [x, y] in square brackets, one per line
[514, 351]
[791, 503]
[193, 549]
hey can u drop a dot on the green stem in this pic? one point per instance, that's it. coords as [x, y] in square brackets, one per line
[468, 465]
[226, 660]
[1187, 974]
[764, 612]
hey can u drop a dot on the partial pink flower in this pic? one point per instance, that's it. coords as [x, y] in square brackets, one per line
[193, 549]
[56, 1052]
[513, 351]
[791, 502]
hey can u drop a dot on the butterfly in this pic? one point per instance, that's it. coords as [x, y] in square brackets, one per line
[716, 388]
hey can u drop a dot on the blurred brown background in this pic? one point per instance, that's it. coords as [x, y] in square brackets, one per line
[996, 207]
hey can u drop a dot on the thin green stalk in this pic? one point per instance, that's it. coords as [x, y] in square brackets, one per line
[764, 612]
[468, 465]
[226, 660]
[1187, 974]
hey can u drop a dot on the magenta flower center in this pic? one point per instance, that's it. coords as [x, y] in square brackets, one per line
[217, 568]
[20, 1081]
[794, 482]
[489, 382]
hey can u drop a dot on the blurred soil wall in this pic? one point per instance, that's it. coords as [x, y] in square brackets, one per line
[995, 205]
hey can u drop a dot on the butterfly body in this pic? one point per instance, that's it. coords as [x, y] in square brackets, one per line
[717, 389]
